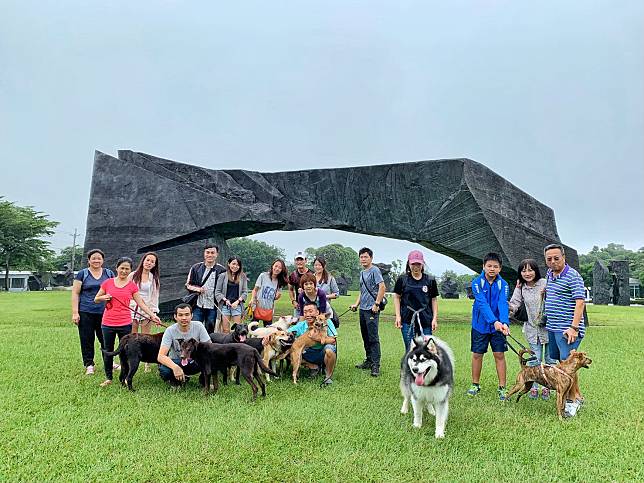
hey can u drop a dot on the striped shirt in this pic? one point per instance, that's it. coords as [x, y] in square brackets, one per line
[561, 293]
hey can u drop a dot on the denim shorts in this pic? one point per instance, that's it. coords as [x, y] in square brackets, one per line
[228, 312]
[316, 356]
[481, 341]
[558, 346]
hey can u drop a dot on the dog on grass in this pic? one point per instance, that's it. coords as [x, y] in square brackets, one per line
[134, 349]
[561, 377]
[427, 379]
[314, 335]
[213, 358]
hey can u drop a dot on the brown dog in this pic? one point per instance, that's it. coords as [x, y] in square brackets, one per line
[278, 347]
[315, 335]
[561, 377]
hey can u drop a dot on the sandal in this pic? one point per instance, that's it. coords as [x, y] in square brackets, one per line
[105, 383]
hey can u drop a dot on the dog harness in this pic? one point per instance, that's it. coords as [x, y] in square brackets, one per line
[415, 319]
[543, 372]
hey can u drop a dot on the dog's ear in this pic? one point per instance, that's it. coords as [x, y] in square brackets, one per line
[234, 326]
[431, 345]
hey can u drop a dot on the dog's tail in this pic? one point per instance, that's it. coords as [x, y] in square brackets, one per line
[116, 351]
[262, 365]
[252, 325]
[523, 361]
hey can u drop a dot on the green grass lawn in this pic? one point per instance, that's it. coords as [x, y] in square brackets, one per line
[57, 424]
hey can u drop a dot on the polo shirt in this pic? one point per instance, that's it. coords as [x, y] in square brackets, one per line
[561, 293]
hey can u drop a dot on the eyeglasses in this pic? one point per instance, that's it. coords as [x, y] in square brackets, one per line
[554, 259]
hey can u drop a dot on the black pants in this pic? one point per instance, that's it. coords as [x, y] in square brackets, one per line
[89, 326]
[109, 337]
[370, 339]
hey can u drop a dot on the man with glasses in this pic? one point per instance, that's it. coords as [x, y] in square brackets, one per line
[564, 307]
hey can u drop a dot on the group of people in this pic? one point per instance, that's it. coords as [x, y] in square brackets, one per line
[107, 305]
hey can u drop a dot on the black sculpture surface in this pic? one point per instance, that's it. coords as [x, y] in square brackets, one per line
[602, 284]
[456, 207]
[449, 288]
[621, 288]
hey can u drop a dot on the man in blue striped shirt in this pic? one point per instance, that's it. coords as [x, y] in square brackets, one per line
[564, 307]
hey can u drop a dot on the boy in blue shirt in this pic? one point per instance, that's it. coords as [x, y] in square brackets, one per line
[490, 322]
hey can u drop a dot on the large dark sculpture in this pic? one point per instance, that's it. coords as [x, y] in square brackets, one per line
[385, 270]
[602, 284]
[621, 288]
[343, 283]
[449, 288]
[456, 207]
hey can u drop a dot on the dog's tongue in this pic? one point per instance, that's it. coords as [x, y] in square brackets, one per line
[420, 380]
[242, 338]
[184, 362]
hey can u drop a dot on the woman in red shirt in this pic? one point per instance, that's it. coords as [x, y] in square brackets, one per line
[117, 317]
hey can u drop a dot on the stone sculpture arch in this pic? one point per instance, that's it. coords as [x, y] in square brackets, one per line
[456, 207]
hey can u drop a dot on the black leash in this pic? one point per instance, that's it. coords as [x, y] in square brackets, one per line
[533, 355]
[108, 305]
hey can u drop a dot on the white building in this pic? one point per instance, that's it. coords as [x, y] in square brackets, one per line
[17, 280]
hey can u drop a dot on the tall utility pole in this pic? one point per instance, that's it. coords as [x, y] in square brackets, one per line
[74, 250]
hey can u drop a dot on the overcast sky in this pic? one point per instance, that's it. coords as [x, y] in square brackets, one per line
[547, 94]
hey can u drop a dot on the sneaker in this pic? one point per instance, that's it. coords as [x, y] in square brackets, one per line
[503, 393]
[105, 383]
[570, 409]
[534, 393]
[375, 370]
[314, 373]
[327, 382]
[366, 364]
[89, 370]
[545, 393]
[474, 390]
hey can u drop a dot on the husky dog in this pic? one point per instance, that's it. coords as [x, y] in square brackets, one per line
[427, 378]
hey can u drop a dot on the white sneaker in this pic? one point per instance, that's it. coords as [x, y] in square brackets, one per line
[571, 408]
[89, 370]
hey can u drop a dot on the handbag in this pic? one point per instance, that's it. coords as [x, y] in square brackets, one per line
[383, 302]
[191, 297]
[522, 312]
[541, 320]
[265, 315]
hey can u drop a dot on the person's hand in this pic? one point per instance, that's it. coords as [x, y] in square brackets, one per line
[518, 283]
[398, 322]
[570, 334]
[294, 303]
[353, 307]
[253, 304]
[75, 318]
[434, 325]
[375, 308]
[156, 319]
[202, 289]
[278, 295]
[105, 298]
[178, 374]
[234, 304]
[503, 328]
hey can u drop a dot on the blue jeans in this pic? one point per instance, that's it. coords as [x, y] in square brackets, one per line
[167, 374]
[542, 354]
[408, 334]
[206, 317]
[559, 347]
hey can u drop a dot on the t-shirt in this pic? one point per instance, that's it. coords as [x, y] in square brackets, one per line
[117, 311]
[267, 290]
[206, 300]
[295, 276]
[232, 292]
[561, 293]
[89, 289]
[372, 278]
[301, 327]
[320, 301]
[416, 294]
[173, 336]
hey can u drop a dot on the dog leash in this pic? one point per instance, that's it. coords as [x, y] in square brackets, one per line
[507, 343]
[108, 304]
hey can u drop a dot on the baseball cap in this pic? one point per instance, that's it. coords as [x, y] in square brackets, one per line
[299, 255]
[415, 256]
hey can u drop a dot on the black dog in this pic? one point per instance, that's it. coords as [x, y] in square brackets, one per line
[213, 358]
[134, 349]
[239, 334]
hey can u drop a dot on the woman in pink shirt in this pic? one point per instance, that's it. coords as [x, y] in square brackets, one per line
[117, 318]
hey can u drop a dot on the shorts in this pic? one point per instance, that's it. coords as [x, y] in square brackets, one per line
[496, 340]
[316, 356]
[228, 312]
[558, 346]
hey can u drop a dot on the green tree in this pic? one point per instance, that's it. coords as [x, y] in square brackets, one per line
[256, 256]
[63, 260]
[612, 251]
[397, 269]
[21, 232]
[339, 259]
[465, 281]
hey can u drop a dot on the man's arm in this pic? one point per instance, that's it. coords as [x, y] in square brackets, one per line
[163, 358]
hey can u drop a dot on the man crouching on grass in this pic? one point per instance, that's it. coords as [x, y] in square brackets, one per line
[171, 368]
[318, 355]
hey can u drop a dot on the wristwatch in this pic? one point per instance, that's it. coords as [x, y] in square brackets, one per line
[575, 328]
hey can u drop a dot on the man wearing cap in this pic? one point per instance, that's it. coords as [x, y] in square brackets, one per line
[294, 279]
[415, 300]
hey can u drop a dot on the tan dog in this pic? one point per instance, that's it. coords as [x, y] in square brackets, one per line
[315, 335]
[278, 347]
[561, 377]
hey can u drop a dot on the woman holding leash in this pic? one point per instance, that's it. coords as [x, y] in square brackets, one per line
[231, 291]
[415, 300]
[530, 291]
[326, 282]
[85, 313]
[146, 278]
[117, 293]
[268, 289]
